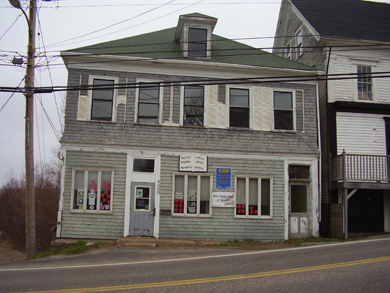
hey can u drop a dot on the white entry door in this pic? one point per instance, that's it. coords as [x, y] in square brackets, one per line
[299, 216]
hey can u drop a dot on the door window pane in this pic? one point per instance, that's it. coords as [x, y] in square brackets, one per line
[298, 198]
[142, 195]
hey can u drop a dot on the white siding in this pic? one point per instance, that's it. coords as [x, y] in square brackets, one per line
[344, 90]
[361, 134]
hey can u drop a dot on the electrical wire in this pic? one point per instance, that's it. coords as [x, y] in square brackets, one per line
[139, 23]
[50, 76]
[11, 95]
[123, 21]
[17, 18]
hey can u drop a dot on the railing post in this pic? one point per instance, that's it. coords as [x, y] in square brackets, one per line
[344, 167]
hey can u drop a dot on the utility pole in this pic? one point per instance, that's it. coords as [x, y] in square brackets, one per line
[29, 127]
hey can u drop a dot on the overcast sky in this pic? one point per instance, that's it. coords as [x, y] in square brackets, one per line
[66, 24]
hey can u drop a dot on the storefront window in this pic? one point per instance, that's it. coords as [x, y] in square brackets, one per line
[253, 197]
[192, 194]
[92, 190]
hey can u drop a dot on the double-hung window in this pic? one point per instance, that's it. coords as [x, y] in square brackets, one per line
[299, 37]
[191, 194]
[254, 197]
[197, 42]
[148, 102]
[92, 190]
[193, 105]
[283, 110]
[364, 83]
[102, 99]
[239, 107]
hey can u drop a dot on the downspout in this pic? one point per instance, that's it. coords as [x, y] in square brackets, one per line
[328, 135]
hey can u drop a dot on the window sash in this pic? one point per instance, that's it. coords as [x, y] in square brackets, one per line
[283, 110]
[197, 42]
[148, 103]
[239, 108]
[102, 99]
[92, 190]
[254, 197]
[365, 84]
[191, 195]
[193, 105]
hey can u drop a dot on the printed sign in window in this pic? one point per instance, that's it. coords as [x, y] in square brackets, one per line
[224, 178]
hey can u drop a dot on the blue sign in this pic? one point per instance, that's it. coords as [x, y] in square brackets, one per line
[224, 178]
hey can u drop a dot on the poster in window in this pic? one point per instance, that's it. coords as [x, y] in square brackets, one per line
[191, 207]
[140, 192]
[80, 197]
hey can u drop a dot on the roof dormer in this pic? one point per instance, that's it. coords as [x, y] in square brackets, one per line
[194, 31]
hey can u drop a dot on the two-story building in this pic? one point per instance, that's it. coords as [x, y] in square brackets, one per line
[349, 41]
[182, 133]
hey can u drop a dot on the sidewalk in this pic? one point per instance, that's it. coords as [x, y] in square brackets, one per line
[143, 242]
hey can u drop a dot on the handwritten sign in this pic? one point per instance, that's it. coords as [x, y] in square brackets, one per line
[193, 163]
[223, 200]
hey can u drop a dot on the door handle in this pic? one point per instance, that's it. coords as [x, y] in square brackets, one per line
[153, 212]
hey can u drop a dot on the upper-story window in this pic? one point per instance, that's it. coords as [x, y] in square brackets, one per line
[288, 51]
[197, 42]
[364, 83]
[299, 49]
[239, 107]
[193, 105]
[283, 110]
[148, 103]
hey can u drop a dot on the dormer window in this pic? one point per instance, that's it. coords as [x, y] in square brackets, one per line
[197, 42]
[193, 32]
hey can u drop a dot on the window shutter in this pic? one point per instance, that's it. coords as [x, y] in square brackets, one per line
[82, 109]
[257, 108]
[213, 106]
[267, 109]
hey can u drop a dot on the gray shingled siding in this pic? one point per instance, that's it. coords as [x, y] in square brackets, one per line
[93, 225]
[207, 139]
[316, 57]
[222, 225]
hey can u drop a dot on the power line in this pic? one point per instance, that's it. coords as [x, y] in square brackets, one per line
[204, 82]
[123, 21]
[11, 95]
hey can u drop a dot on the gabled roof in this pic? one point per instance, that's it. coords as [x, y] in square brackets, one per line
[161, 45]
[351, 19]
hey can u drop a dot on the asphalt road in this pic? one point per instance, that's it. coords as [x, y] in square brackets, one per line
[360, 266]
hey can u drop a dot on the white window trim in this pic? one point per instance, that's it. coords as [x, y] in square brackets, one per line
[185, 214]
[373, 66]
[251, 105]
[185, 42]
[294, 110]
[114, 99]
[160, 101]
[259, 216]
[85, 207]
